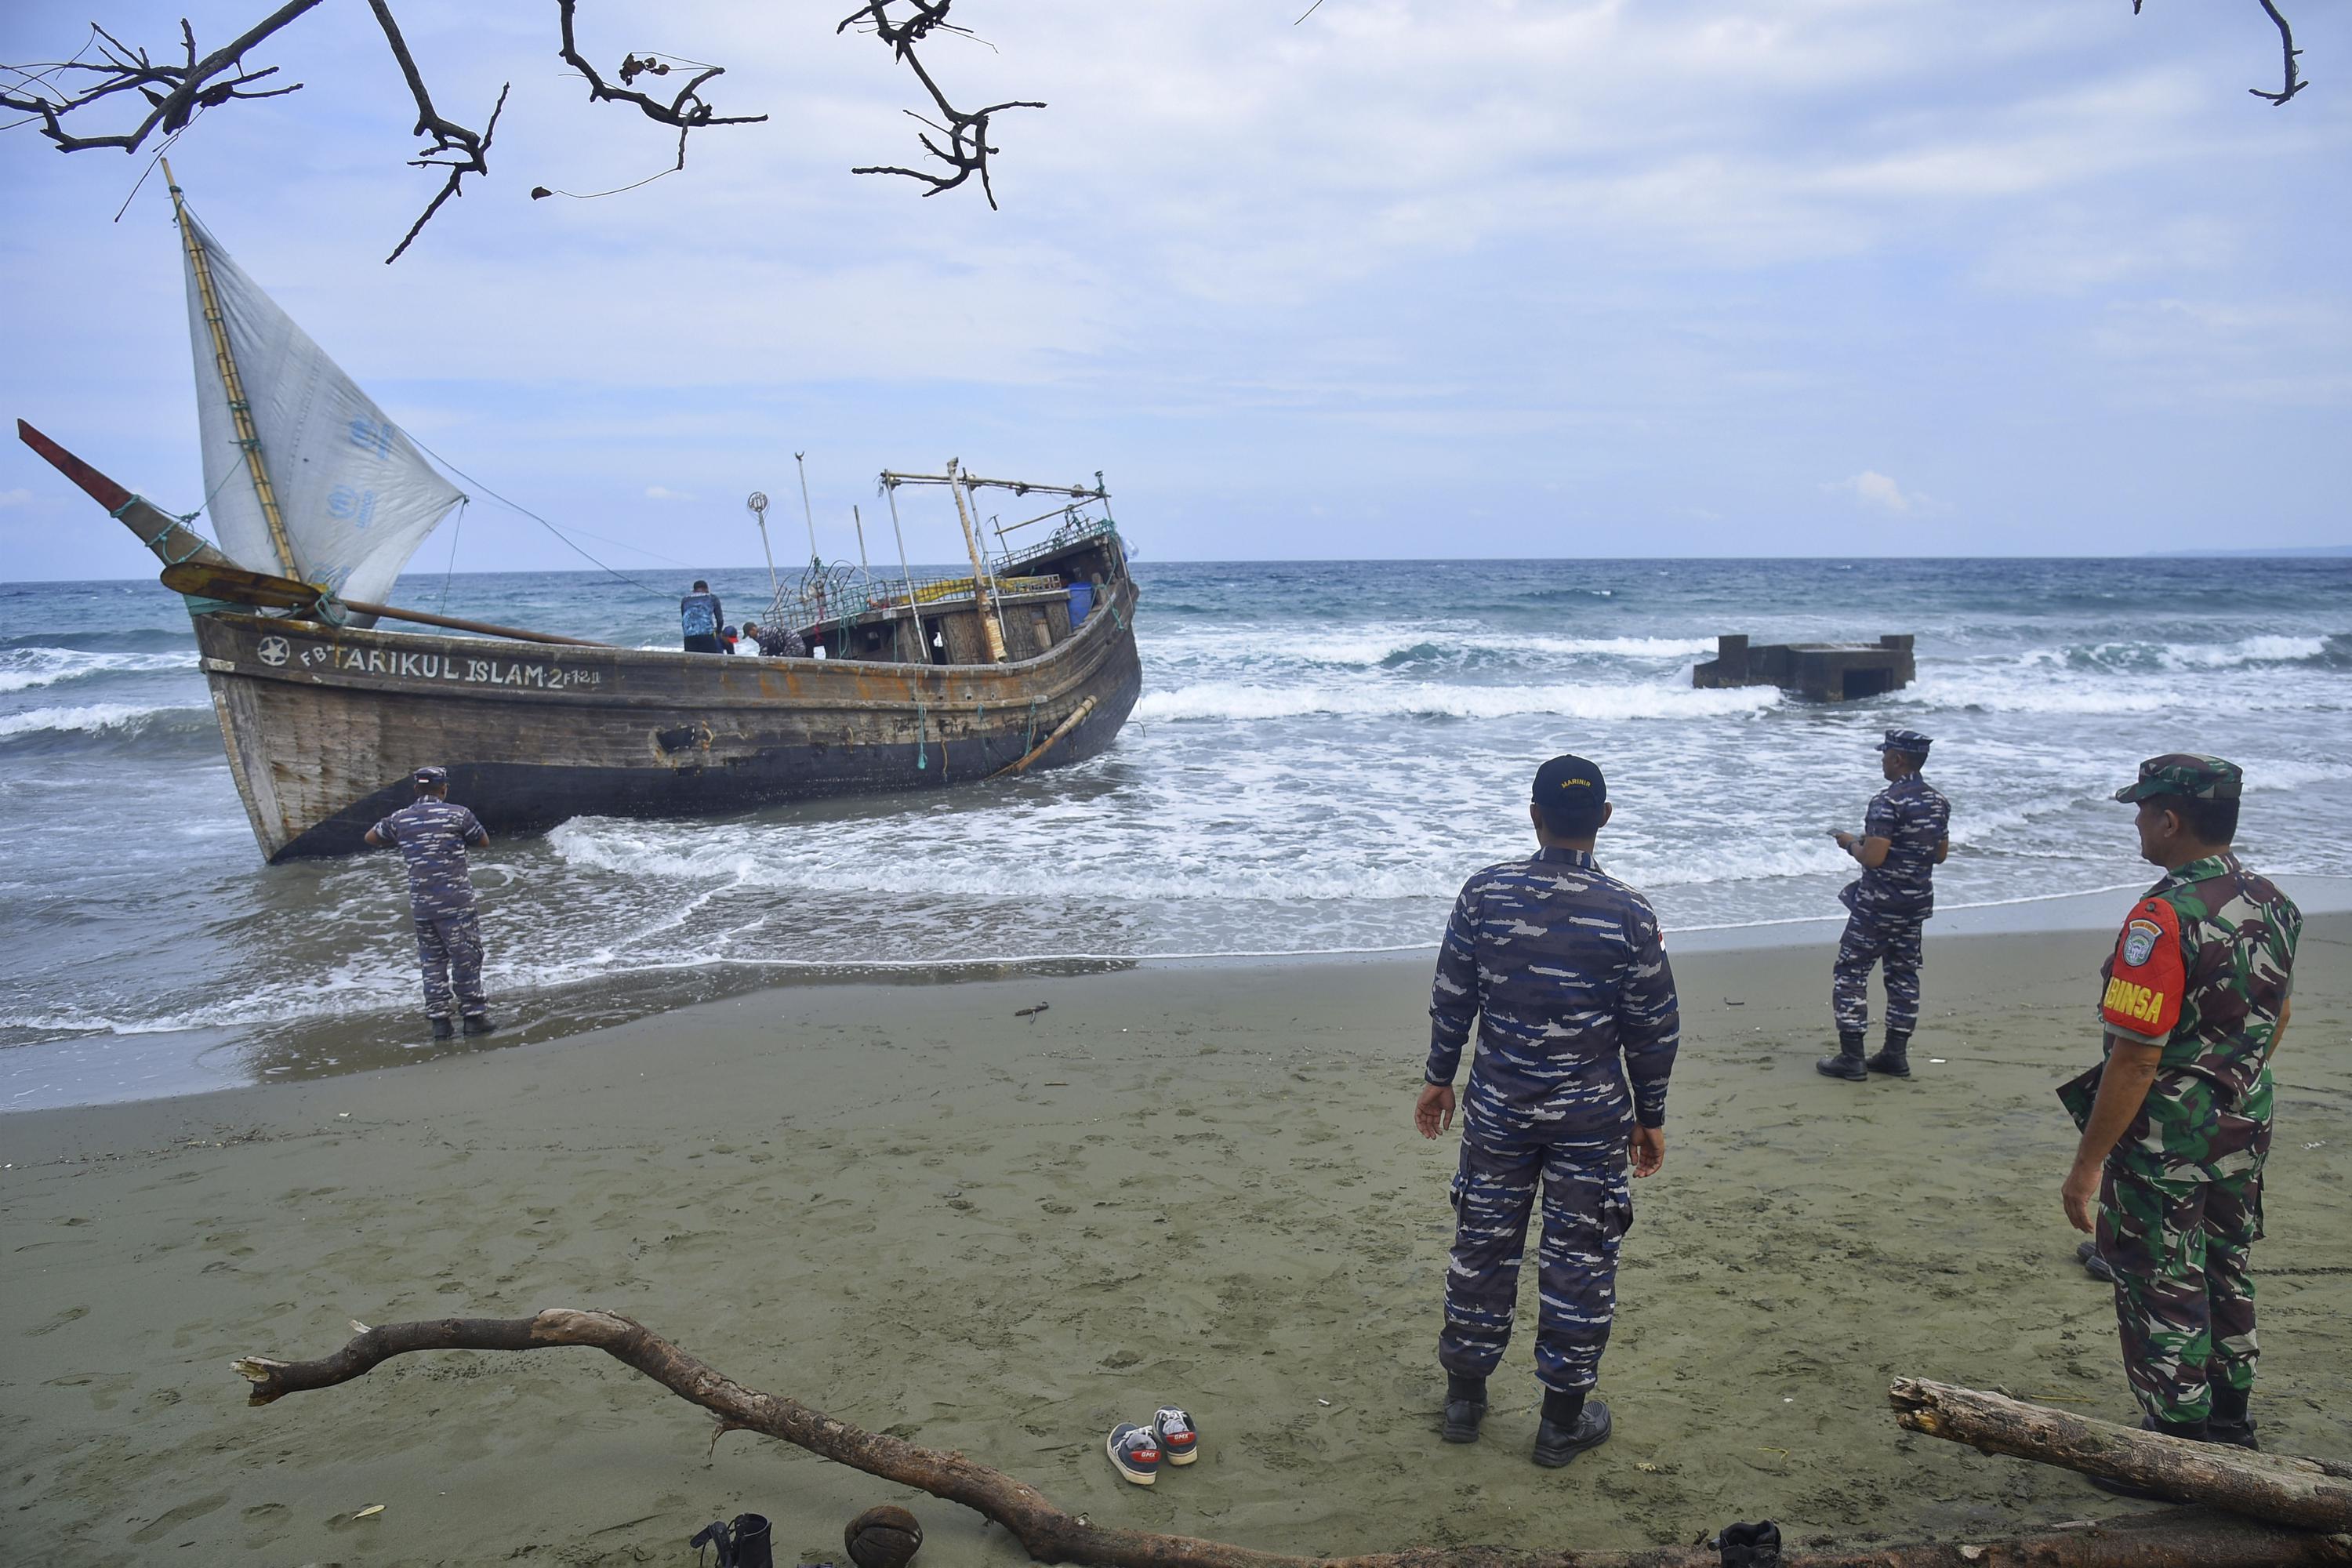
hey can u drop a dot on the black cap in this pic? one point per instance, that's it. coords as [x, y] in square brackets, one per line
[1909, 742]
[432, 778]
[1569, 783]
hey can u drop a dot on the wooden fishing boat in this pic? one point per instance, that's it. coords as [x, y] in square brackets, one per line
[910, 683]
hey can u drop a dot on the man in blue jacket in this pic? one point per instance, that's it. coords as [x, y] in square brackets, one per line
[698, 615]
[1565, 970]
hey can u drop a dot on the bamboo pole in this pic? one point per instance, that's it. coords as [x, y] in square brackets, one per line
[981, 596]
[487, 629]
[1076, 716]
[240, 410]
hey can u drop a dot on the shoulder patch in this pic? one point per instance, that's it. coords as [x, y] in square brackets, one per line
[2143, 994]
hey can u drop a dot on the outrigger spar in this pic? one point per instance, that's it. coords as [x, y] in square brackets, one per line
[317, 501]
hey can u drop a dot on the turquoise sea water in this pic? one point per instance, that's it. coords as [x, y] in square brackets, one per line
[1323, 752]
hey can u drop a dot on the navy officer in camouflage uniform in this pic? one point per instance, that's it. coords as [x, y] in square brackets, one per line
[2176, 1120]
[1565, 971]
[1905, 836]
[433, 835]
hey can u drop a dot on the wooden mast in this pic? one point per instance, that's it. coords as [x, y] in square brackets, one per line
[240, 411]
[979, 594]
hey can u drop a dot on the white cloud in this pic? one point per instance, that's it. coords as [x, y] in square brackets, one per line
[663, 492]
[17, 497]
[1872, 489]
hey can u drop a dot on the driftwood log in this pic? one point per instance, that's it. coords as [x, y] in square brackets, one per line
[1051, 1535]
[2309, 1493]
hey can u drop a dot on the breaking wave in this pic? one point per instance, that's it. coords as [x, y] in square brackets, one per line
[2129, 658]
[1428, 700]
[103, 720]
[23, 668]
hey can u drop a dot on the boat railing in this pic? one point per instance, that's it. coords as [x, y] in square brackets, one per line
[845, 597]
[940, 590]
[1077, 530]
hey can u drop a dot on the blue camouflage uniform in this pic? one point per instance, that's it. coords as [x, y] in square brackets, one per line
[433, 835]
[1565, 972]
[1889, 902]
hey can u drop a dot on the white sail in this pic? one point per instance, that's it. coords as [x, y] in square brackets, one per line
[356, 497]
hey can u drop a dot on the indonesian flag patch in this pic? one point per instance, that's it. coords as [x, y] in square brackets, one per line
[2143, 996]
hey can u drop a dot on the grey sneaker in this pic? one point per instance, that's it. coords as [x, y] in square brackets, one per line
[1180, 1440]
[1134, 1453]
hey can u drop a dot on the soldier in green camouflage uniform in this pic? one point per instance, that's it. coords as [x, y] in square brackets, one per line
[2177, 1121]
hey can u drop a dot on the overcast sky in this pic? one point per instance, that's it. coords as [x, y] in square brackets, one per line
[1448, 278]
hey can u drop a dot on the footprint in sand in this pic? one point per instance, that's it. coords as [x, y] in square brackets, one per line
[58, 1322]
[265, 1522]
[180, 1516]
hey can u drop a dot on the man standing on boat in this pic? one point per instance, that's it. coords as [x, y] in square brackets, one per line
[1565, 971]
[434, 835]
[1905, 836]
[699, 617]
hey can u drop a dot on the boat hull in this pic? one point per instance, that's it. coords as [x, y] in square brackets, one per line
[325, 725]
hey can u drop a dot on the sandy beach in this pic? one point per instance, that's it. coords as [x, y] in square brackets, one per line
[921, 1212]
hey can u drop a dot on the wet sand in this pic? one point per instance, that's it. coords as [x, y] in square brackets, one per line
[914, 1209]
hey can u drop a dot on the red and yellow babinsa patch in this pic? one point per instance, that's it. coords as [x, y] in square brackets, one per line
[2144, 984]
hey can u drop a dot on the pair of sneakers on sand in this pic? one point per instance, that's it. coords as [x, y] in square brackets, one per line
[1137, 1452]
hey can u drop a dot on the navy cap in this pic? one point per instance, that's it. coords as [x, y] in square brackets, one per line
[1909, 740]
[1568, 782]
[432, 778]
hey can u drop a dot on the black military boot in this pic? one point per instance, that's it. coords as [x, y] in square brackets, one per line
[2230, 1422]
[1847, 1064]
[481, 1024]
[442, 1028]
[1572, 1423]
[1894, 1062]
[2195, 1431]
[1465, 1408]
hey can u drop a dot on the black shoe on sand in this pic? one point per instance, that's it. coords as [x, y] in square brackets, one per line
[1569, 1429]
[442, 1028]
[481, 1024]
[1465, 1408]
[2087, 1253]
[1847, 1064]
[2229, 1421]
[1894, 1062]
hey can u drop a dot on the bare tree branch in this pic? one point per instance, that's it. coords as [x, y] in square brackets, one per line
[173, 94]
[688, 110]
[2293, 82]
[455, 148]
[967, 147]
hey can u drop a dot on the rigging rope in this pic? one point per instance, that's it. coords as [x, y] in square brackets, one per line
[543, 523]
[456, 528]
